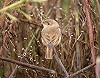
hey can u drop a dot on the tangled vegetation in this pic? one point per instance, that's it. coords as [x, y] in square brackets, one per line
[20, 38]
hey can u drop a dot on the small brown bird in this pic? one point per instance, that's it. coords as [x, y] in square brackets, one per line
[50, 36]
[98, 66]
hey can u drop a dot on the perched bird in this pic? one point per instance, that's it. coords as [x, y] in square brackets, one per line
[98, 66]
[50, 36]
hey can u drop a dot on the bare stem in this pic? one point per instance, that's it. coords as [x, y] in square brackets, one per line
[28, 65]
[60, 64]
[82, 70]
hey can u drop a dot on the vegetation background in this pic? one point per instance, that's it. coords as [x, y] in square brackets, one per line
[20, 28]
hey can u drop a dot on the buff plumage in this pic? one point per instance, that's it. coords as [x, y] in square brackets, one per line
[50, 36]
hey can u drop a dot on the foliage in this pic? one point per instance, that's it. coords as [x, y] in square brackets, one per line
[20, 34]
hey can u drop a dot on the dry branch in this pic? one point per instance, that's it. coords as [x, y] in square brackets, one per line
[48, 70]
[28, 65]
[60, 64]
[82, 70]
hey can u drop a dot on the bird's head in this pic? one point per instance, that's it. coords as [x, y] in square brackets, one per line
[49, 23]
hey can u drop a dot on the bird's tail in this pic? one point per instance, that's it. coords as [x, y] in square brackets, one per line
[49, 53]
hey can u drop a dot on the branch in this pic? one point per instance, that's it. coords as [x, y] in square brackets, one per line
[60, 64]
[82, 70]
[14, 70]
[28, 65]
[90, 30]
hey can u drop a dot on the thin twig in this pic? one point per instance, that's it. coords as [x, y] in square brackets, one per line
[76, 40]
[28, 65]
[60, 64]
[30, 42]
[98, 6]
[45, 69]
[82, 70]
[2, 21]
[13, 72]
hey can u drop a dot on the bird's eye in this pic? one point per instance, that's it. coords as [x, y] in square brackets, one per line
[48, 23]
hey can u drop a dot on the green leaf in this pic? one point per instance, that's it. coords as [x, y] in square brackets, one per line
[14, 5]
[65, 5]
[40, 1]
[93, 3]
[26, 15]
[11, 16]
[1, 73]
[76, 16]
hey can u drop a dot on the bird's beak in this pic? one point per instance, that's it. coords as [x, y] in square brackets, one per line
[44, 25]
[42, 22]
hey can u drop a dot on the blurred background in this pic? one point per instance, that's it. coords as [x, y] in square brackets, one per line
[20, 38]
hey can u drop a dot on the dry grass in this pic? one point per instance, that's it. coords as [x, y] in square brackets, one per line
[21, 39]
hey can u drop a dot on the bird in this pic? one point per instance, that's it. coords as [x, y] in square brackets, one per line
[98, 66]
[50, 36]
